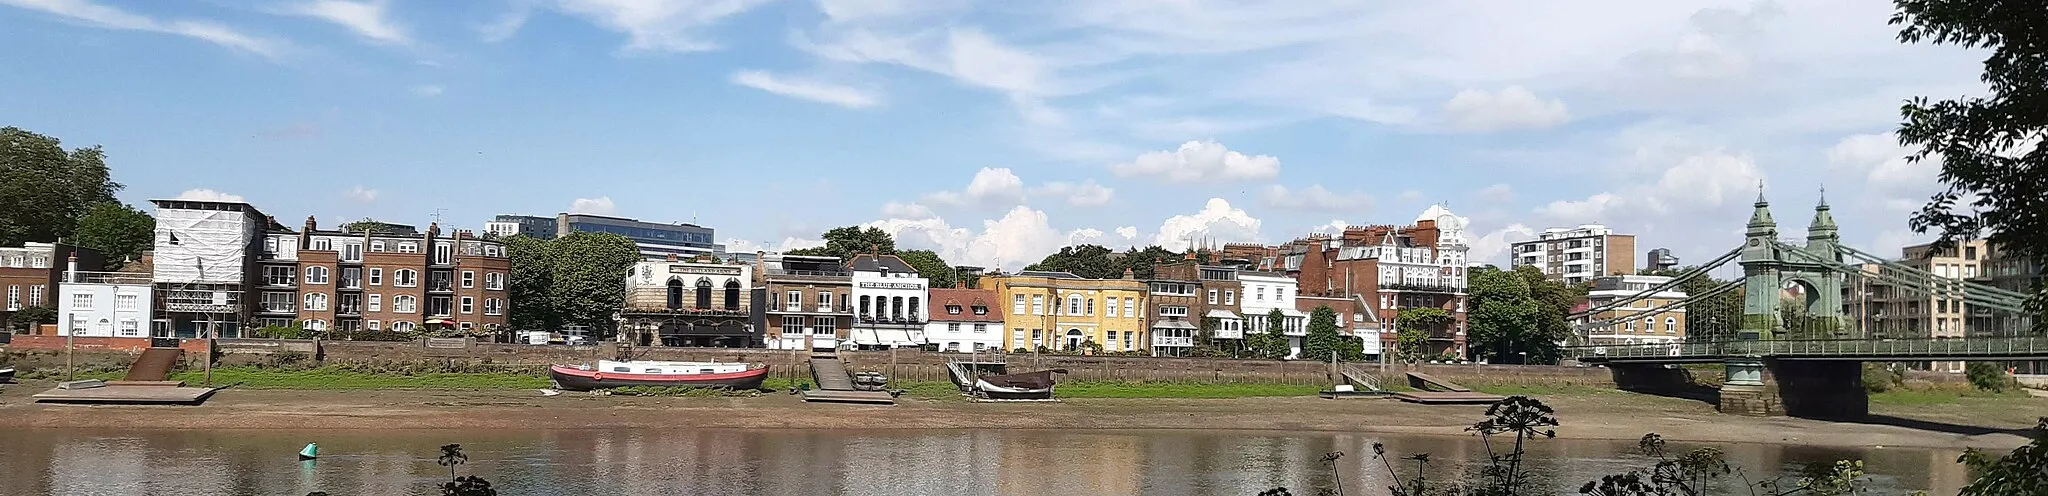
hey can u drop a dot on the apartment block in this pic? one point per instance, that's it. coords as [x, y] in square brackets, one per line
[804, 302]
[1421, 265]
[1577, 255]
[1216, 291]
[1636, 325]
[393, 278]
[205, 268]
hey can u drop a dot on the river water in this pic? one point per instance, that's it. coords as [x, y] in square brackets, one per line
[810, 462]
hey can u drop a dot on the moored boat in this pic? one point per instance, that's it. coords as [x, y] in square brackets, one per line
[1026, 386]
[610, 374]
[6, 375]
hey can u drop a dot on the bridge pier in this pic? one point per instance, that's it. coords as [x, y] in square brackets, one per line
[1822, 389]
[1743, 391]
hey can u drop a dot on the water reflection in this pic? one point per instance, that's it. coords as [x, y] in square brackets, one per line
[631, 463]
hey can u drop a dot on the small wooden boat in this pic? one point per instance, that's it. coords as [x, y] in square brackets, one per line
[870, 381]
[6, 375]
[1026, 386]
[609, 374]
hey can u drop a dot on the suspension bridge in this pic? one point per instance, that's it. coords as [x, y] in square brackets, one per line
[1810, 314]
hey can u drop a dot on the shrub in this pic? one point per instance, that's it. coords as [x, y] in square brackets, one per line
[1878, 378]
[1989, 377]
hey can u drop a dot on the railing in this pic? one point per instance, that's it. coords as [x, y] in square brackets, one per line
[810, 273]
[1425, 288]
[1172, 341]
[1815, 348]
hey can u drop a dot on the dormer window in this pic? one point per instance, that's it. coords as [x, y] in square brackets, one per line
[981, 310]
[955, 310]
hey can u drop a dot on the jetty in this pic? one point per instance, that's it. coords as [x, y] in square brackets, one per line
[1433, 391]
[146, 384]
[835, 385]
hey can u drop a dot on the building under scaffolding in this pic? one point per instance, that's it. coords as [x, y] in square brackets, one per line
[203, 265]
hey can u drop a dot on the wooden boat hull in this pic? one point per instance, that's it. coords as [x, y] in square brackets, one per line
[6, 375]
[995, 392]
[1026, 386]
[574, 379]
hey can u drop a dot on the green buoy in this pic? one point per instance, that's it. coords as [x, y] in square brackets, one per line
[312, 451]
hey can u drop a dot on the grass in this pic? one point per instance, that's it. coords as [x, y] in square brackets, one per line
[1181, 390]
[1942, 396]
[329, 378]
[1540, 390]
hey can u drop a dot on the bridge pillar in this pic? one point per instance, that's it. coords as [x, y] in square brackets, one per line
[1743, 391]
[1823, 389]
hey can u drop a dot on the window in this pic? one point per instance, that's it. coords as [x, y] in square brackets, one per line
[35, 295]
[131, 328]
[377, 246]
[43, 262]
[980, 328]
[493, 306]
[1091, 307]
[374, 325]
[316, 275]
[1110, 340]
[981, 309]
[1038, 304]
[376, 304]
[950, 309]
[792, 325]
[468, 279]
[13, 297]
[1073, 304]
[494, 280]
[824, 301]
[1212, 297]
[1130, 307]
[316, 301]
[351, 252]
[1017, 304]
[404, 304]
[1110, 307]
[80, 301]
[405, 278]
[1230, 297]
[444, 253]
[408, 247]
[278, 302]
[1970, 252]
[323, 244]
[822, 326]
[278, 276]
[1259, 294]
[732, 294]
[351, 277]
[953, 328]
[980, 347]
[376, 277]
[402, 326]
[126, 302]
[1670, 325]
[468, 305]
[314, 325]
[438, 305]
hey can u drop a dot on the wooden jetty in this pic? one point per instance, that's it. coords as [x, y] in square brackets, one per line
[838, 396]
[1446, 397]
[146, 384]
[1427, 382]
[836, 386]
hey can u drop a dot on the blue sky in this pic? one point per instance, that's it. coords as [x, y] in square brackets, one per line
[999, 129]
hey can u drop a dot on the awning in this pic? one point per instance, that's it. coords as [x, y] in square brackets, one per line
[1222, 314]
[884, 337]
[1173, 324]
[1292, 312]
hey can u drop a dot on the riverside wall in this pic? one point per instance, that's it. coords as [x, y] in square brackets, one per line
[902, 365]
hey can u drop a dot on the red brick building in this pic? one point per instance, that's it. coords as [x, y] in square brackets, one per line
[31, 275]
[395, 279]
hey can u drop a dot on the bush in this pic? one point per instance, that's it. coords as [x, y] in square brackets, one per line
[1878, 378]
[284, 332]
[1989, 377]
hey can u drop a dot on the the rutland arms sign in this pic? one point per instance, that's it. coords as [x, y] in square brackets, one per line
[891, 285]
[686, 269]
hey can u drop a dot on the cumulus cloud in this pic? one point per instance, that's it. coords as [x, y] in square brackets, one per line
[1513, 107]
[1129, 233]
[1492, 248]
[1201, 161]
[361, 194]
[1315, 198]
[804, 89]
[1696, 183]
[203, 194]
[907, 210]
[1217, 220]
[1895, 183]
[368, 19]
[990, 186]
[1082, 194]
[595, 206]
[1333, 227]
[1018, 238]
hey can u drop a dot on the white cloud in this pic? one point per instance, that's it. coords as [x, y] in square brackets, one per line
[912, 211]
[659, 25]
[1498, 193]
[990, 186]
[101, 16]
[1333, 227]
[595, 206]
[844, 96]
[426, 90]
[367, 18]
[1129, 233]
[1020, 237]
[1217, 220]
[1894, 183]
[1492, 248]
[202, 194]
[1088, 236]
[787, 244]
[507, 25]
[1082, 194]
[1315, 198]
[1513, 107]
[361, 194]
[1199, 161]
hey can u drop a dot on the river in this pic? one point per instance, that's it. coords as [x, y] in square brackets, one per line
[809, 462]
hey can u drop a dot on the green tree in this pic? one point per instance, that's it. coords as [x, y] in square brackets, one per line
[1323, 339]
[1993, 149]
[1415, 326]
[1142, 261]
[929, 266]
[1506, 320]
[533, 267]
[119, 232]
[368, 225]
[1272, 344]
[44, 190]
[28, 317]
[584, 284]
[1091, 261]
[1712, 318]
[2024, 471]
[845, 242]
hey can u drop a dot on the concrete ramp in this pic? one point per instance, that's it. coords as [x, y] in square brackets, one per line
[1427, 382]
[830, 373]
[154, 365]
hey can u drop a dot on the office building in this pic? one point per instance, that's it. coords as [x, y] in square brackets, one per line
[521, 225]
[1660, 259]
[1576, 256]
[656, 241]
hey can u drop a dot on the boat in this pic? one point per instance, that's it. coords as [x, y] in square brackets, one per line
[1026, 386]
[870, 381]
[6, 375]
[609, 374]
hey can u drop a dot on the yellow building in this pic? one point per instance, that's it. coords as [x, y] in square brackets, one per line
[1640, 322]
[1062, 311]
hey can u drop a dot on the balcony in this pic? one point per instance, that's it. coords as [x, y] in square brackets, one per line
[348, 310]
[809, 274]
[1158, 341]
[911, 320]
[1422, 288]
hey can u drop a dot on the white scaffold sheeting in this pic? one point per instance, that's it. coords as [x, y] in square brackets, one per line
[201, 246]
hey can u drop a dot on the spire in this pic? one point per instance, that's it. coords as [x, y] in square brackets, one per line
[1761, 217]
[1823, 222]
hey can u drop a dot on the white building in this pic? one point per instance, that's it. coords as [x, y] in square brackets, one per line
[1577, 255]
[888, 303]
[964, 321]
[104, 304]
[676, 303]
[1265, 292]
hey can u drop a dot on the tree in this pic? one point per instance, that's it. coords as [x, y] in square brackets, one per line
[1506, 321]
[1993, 149]
[368, 225]
[44, 190]
[119, 232]
[1712, 318]
[1142, 262]
[1415, 326]
[845, 242]
[2019, 472]
[929, 266]
[1091, 261]
[28, 317]
[1272, 344]
[1323, 339]
[585, 284]
[532, 275]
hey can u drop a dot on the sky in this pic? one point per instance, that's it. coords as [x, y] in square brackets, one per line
[997, 132]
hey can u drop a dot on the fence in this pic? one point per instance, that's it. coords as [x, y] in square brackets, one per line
[1930, 348]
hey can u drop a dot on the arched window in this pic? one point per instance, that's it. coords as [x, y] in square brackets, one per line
[405, 304]
[896, 307]
[1670, 325]
[866, 311]
[675, 293]
[316, 275]
[405, 278]
[732, 295]
[703, 293]
[316, 301]
[402, 326]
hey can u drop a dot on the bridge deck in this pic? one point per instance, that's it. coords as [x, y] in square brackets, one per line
[1979, 348]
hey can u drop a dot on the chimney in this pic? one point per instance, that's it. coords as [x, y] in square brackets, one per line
[1130, 274]
[71, 268]
[671, 257]
[311, 224]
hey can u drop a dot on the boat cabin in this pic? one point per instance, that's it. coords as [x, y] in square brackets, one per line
[671, 368]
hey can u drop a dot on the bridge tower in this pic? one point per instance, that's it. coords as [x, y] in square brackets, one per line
[1759, 261]
[1768, 267]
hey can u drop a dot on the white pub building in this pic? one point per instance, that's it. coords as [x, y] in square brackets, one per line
[888, 303]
